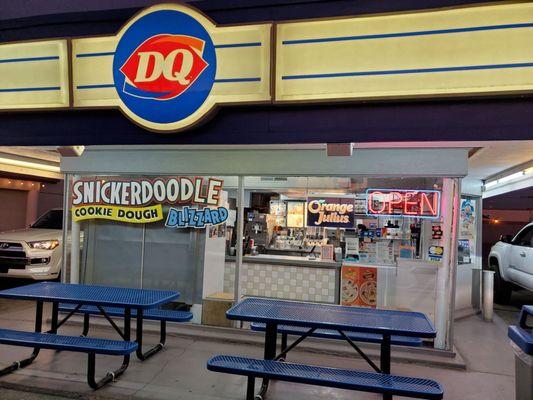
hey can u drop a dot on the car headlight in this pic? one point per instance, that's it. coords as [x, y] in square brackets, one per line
[44, 244]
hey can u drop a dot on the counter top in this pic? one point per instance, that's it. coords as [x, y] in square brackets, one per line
[286, 260]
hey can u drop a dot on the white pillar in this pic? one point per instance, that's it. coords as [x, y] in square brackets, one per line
[445, 287]
[238, 244]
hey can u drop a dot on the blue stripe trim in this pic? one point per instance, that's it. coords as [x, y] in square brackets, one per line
[408, 34]
[409, 71]
[83, 55]
[46, 58]
[102, 86]
[31, 89]
[231, 45]
[231, 80]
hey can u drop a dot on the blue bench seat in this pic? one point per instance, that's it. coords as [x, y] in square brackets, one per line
[522, 338]
[333, 334]
[329, 377]
[68, 343]
[51, 341]
[151, 314]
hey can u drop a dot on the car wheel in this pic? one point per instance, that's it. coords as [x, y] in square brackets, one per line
[502, 289]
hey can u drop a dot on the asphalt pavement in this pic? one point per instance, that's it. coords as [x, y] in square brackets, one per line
[509, 312]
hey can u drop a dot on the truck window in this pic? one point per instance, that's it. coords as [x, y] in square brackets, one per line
[525, 238]
[52, 219]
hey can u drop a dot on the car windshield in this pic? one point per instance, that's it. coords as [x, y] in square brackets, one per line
[52, 219]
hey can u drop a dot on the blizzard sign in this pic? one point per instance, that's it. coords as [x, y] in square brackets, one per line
[164, 67]
[140, 200]
[190, 217]
[332, 212]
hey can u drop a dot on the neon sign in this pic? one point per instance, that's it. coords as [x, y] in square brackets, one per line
[400, 202]
[333, 212]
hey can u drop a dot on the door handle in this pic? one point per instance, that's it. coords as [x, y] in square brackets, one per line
[523, 254]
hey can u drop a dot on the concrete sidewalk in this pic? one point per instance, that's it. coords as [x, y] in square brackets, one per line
[179, 371]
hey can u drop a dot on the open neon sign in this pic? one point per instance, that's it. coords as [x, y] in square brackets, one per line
[400, 202]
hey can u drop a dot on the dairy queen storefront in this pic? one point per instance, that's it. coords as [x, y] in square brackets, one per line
[302, 158]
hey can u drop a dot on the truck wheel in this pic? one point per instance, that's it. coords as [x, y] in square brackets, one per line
[502, 289]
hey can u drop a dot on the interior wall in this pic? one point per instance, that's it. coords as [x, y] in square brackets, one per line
[50, 196]
[13, 209]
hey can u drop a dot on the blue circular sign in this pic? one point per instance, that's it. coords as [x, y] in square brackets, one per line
[164, 66]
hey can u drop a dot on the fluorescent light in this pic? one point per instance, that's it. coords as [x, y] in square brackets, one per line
[511, 177]
[29, 164]
[507, 178]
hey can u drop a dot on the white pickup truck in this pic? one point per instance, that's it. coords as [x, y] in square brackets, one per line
[35, 252]
[512, 261]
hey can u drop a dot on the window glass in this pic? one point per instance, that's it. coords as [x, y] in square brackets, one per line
[525, 238]
[52, 219]
[156, 232]
[320, 239]
[467, 234]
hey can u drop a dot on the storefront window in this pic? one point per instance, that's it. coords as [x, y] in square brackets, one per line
[339, 240]
[355, 241]
[155, 232]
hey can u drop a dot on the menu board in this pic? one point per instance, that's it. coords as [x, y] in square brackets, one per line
[359, 286]
[295, 214]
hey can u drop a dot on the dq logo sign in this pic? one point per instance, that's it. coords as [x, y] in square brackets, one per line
[164, 67]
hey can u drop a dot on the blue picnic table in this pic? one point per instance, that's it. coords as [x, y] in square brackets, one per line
[103, 298]
[345, 320]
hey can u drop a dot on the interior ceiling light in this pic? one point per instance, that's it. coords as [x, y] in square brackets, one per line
[29, 164]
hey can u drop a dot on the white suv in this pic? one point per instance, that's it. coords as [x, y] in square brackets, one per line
[35, 252]
[512, 261]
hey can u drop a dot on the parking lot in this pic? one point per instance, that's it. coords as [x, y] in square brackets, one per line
[509, 312]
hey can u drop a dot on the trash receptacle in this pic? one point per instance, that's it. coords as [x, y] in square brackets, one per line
[522, 342]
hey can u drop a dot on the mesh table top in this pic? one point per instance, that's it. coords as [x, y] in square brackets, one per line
[92, 295]
[327, 316]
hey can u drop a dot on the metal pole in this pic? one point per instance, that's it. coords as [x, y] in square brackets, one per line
[238, 244]
[66, 204]
[488, 294]
[75, 249]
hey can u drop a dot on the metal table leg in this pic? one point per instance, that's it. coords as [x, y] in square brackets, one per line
[27, 361]
[385, 359]
[110, 376]
[162, 338]
[271, 335]
[55, 317]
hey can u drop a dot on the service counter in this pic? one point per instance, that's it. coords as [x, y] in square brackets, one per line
[286, 277]
[409, 285]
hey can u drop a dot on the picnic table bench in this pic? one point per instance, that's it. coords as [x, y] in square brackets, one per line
[163, 316]
[325, 376]
[98, 297]
[286, 330]
[305, 319]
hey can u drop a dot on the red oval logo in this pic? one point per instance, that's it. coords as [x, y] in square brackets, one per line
[164, 66]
